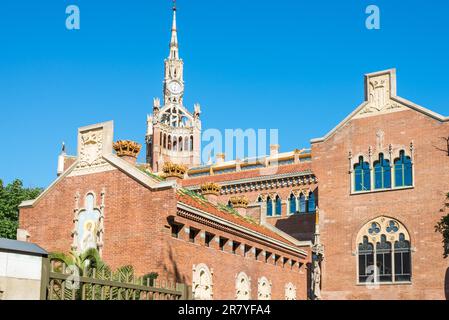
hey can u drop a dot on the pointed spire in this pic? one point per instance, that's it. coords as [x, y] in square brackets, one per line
[174, 36]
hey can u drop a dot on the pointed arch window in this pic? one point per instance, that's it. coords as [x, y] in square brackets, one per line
[403, 170]
[278, 211]
[362, 175]
[382, 173]
[292, 204]
[384, 259]
[311, 204]
[366, 259]
[402, 259]
[302, 203]
[269, 207]
[384, 252]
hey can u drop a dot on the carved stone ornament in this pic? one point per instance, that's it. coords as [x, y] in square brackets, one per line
[379, 96]
[239, 202]
[91, 149]
[210, 188]
[127, 148]
[174, 170]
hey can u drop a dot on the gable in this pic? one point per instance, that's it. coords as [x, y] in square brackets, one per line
[381, 98]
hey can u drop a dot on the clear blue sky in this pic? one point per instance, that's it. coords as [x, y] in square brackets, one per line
[295, 65]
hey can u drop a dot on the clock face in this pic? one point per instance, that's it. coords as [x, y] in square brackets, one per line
[174, 87]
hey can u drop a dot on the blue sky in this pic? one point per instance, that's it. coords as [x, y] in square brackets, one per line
[293, 65]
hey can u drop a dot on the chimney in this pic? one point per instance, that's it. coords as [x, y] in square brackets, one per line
[127, 150]
[274, 149]
[174, 172]
[240, 204]
[211, 191]
[61, 160]
[220, 158]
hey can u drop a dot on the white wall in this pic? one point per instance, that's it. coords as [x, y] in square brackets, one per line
[20, 276]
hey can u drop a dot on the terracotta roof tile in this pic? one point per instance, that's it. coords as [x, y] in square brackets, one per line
[206, 206]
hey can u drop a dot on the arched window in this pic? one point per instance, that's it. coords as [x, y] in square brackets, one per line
[165, 141]
[402, 259]
[264, 289]
[290, 291]
[403, 170]
[292, 204]
[269, 207]
[384, 259]
[169, 142]
[175, 144]
[278, 206]
[378, 260]
[382, 173]
[311, 205]
[88, 226]
[362, 178]
[302, 203]
[202, 282]
[242, 287]
[366, 260]
[181, 144]
[191, 143]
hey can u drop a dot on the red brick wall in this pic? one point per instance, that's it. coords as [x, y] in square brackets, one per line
[181, 255]
[299, 226]
[137, 233]
[342, 214]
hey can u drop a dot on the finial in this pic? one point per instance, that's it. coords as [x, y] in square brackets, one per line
[63, 147]
[174, 5]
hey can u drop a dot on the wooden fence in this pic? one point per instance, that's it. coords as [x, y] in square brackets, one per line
[62, 283]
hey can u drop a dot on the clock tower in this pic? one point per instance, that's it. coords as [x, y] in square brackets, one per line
[173, 133]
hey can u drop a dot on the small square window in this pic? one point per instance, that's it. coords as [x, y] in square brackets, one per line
[208, 239]
[267, 256]
[223, 242]
[235, 246]
[258, 252]
[247, 250]
[175, 230]
[193, 234]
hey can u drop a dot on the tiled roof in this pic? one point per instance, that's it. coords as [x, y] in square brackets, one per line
[187, 198]
[299, 168]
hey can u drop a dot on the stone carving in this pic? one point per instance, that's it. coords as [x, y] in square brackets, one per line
[210, 188]
[127, 148]
[239, 201]
[389, 227]
[290, 291]
[379, 95]
[243, 287]
[174, 170]
[202, 287]
[91, 149]
[380, 135]
[316, 280]
[264, 289]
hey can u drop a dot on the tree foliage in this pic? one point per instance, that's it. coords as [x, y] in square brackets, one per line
[89, 264]
[10, 198]
[443, 227]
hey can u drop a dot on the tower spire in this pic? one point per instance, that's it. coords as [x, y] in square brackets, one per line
[174, 54]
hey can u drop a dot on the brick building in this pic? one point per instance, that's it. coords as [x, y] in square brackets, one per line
[351, 218]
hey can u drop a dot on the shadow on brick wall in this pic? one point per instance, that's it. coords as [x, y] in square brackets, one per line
[299, 226]
[446, 284]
